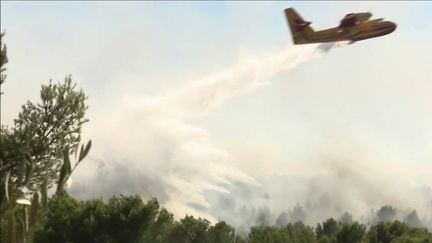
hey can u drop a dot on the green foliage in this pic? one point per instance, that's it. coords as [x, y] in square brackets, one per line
[398, 232]
[8, 227]
[297, 232]
[221, 232]
[415, 236]
[129, 219]
[121, 219]
[62, 212]
[324, 239]
[44, 131]
[352, 233]
[67, 169]
[188, 230]
[329, 228]
[3, 59]
[129, 216]
[302, 233]
[13, 224]
[157, 230]
[35, 153]
[269, 234]
[386, 232]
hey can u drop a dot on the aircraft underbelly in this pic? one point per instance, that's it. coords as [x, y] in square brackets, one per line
[347, 35]
[328, 36]
[368, 34]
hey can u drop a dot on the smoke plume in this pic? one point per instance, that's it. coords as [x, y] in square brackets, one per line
[148, 144]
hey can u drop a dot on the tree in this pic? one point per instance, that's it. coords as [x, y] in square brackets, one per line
[297, 214]
[61, 218]
[282, 220]
[346, 218]
[122, 219]
[3, 60]
[35, 151]
[329, 228]
[324, 239]
[301, 233]
[159, 228]
[129, 218]
[415, 235]
[413, 220]
[221, 232]
[352, 233]
[386, 214]
[188, 230]
[262, 217]
[269, 234]
[386, 232]
[43, 136]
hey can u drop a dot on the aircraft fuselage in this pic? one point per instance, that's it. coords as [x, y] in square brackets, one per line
[362, 31]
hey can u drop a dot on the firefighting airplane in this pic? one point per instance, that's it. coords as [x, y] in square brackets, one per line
[353, 27]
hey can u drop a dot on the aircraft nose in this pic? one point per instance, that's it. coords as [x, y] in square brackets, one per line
[390, 26]
[393, 26]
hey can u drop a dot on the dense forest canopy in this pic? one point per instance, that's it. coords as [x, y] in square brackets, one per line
[129, 219]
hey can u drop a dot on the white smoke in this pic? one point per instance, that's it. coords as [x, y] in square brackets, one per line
[146, 144]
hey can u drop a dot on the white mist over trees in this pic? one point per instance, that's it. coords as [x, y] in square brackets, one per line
[191, 173]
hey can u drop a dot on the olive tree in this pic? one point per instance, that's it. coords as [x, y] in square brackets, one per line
[35, 149]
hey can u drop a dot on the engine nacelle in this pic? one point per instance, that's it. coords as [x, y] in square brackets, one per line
[354, 18]
[361, 17]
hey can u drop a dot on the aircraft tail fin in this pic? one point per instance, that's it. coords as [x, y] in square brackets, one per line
[300, 29]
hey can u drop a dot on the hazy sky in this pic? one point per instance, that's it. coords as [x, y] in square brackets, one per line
[151, 70]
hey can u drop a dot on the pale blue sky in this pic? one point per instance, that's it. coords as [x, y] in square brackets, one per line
[371, 99]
